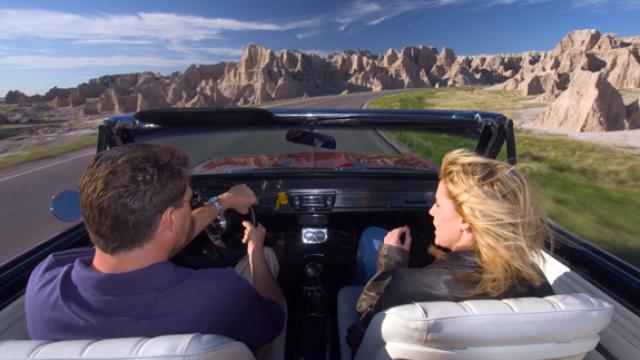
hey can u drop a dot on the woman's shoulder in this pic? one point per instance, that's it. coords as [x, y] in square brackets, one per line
[430, 283]
[525, 288]
[456, 261]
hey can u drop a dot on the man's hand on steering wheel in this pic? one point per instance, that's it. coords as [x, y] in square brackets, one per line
[239, 198]
[253, 237]
[222, 245]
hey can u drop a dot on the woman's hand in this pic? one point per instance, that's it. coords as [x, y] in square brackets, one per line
[399, 237]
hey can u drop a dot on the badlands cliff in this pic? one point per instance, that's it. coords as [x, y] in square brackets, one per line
[584, 69]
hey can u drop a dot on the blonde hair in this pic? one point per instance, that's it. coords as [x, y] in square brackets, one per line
[507, 222]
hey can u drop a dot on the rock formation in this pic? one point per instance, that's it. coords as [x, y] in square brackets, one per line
[580, 50]
[590, 103]
[633, 115]
[15, 97]
[263, 75]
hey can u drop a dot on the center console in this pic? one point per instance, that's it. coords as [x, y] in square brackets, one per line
[320, 260]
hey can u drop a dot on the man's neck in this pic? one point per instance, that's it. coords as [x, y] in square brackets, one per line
[128, 261]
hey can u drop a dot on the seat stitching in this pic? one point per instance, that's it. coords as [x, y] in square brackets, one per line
[505, 301]
[38, 349]
[217, 348]
[194, 354]
[185, 343]
[592, 301]
[136, 349]
[425, 323]
[143, 342]
[554, 304]
[87, 346]
[466, 307]
[564, 311]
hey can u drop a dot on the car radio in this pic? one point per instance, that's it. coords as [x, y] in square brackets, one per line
[312, 201]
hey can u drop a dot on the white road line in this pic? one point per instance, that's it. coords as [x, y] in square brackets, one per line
[45, 166]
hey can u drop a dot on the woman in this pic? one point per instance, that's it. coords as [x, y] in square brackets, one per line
[492, 232]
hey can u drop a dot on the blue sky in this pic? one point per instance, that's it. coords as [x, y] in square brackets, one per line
[63, 43]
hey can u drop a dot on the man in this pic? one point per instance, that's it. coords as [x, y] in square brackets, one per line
[135, 202]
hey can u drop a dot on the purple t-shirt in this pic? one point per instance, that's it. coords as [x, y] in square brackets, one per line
[66, 299]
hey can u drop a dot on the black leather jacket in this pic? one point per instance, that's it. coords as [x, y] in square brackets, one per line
[395, 284]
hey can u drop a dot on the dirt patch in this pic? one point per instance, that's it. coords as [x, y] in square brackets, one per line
[630, 95]
[28, 127]
[627, 139]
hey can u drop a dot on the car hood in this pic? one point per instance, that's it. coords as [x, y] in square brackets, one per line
[312, 160]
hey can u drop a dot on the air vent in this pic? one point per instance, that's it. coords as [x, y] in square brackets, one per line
[383, 199]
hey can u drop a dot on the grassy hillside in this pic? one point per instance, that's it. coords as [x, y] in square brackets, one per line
[592, 190]
[44, 152]
[504, 101]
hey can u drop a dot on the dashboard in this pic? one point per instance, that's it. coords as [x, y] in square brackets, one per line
[309, 196]
[317, 220]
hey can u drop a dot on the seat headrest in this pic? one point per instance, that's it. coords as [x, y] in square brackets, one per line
[186, 346]
[518, 321]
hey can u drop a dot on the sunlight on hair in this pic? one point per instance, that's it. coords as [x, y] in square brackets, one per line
[508, 223]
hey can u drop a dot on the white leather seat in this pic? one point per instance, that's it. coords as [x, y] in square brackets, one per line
[554, 327]
[166, 347]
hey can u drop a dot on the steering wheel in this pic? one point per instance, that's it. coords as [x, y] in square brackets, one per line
[220, 244]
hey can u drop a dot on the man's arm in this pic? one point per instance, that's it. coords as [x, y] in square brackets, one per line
[201, 217]
[263, 280]
[239, 198]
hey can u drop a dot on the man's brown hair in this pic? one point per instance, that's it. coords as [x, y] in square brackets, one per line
[125, 190]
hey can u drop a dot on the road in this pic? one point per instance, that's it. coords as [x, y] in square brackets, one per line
[26, 190]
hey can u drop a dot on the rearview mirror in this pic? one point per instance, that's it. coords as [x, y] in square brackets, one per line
[309, 138]
[65, 206]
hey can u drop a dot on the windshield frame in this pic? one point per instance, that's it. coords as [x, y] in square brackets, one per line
[492, 129]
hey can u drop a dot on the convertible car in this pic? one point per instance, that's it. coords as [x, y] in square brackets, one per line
[321, 178]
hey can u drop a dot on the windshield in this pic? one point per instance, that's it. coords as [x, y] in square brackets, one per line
[250, 149]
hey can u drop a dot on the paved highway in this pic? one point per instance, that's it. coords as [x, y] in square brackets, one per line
[26, 190]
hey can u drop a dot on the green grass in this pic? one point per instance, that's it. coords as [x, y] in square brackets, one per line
[47, 151]
[630, 91]
[25, 129]
[504, 101]
[431, 145]
[273, 102]
[592, 190]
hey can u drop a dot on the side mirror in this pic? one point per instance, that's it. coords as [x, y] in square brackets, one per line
[309, 138]
[65, 206]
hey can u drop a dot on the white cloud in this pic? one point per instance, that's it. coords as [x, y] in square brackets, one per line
[575, 3]
[112, 42]
[194, 49]
[359, 10]
[322, 53]
[307, 34]
[400, 8]
[586, 3]
[179, 47]
[6, 49]
[510, 2]
[629, 4]
[52, 62]
[374, 12]
[142, 26]
[222, 51]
